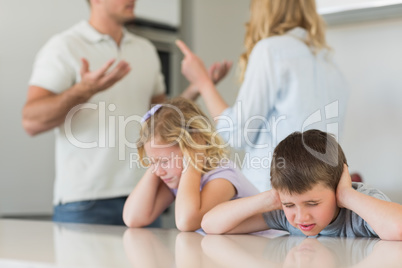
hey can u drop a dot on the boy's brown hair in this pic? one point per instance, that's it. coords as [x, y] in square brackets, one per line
[302, 160]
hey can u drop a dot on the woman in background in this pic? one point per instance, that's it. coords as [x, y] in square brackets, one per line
[289, 83]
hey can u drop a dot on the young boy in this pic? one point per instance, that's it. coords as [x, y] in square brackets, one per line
[312, 194]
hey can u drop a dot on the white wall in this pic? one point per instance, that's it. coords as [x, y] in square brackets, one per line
[26, 164]
[218, 34]
[370, 55]
[352, 4]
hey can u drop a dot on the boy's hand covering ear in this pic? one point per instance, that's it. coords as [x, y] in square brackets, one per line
[344, 185]
[278, 203]
[272, 200]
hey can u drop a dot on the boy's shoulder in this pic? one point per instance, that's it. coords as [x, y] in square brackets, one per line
[350, 224]
[368, 190]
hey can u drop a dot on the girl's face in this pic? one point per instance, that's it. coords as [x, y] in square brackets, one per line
[166, 162]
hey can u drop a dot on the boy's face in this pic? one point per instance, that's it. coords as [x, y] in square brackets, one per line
[311, 211]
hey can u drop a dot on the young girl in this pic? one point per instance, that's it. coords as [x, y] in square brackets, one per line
[187, 163]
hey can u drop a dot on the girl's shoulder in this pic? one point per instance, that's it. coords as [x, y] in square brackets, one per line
[226, 170]
[223, 167]
[231, 173]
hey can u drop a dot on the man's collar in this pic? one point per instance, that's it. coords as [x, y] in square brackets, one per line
[92, 35]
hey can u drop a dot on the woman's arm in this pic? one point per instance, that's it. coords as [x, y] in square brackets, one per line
[192, 204]
[257, 93]
[216, 72]
[242, 215]
[384, 217]
[147, 201]
[194, 70]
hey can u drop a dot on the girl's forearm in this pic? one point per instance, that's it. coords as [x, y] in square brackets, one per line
[188, 212]
[139, 207]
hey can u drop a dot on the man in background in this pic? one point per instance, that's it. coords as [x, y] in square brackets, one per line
[92, 83]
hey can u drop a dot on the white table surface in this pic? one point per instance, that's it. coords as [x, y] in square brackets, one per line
[35, 244]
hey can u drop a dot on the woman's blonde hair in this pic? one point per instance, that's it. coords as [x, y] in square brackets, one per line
[180, 122]
[276, 17]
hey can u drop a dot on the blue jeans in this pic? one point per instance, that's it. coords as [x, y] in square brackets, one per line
[99, 211]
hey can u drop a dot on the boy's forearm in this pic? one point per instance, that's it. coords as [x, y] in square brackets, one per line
[384, 217]
[229, 215]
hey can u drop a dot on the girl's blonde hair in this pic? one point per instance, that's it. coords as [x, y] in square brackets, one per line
[276, 17]
[180, 122]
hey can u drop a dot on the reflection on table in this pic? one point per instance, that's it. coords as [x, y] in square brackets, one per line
[48, 244]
